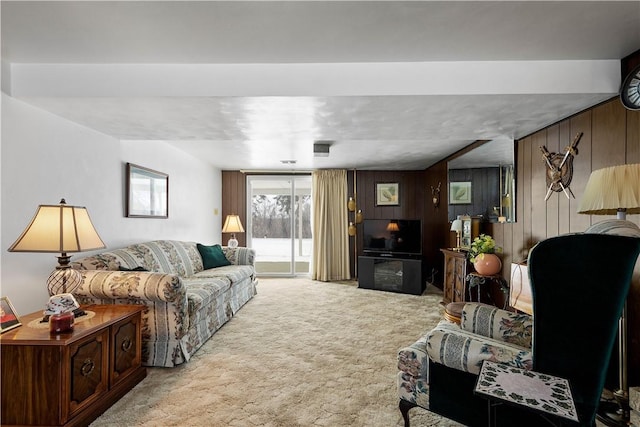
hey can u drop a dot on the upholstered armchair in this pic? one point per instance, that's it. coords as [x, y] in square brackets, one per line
[484, 333]
[579, 284]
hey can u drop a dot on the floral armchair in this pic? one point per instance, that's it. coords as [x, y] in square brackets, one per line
[485, 333]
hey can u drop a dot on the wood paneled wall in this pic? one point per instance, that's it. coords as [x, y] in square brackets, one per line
[485, 191]
[435, 224]
[234, 201]
[414, 193]
[611, 136]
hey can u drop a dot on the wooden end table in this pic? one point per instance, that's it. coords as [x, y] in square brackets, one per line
[70, 378]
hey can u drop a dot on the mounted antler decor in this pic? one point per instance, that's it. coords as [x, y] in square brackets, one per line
[435, 193]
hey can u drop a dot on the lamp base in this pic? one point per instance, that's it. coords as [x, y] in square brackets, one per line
[63, 279]
[615, 414]
[232, 243]
[613, 419]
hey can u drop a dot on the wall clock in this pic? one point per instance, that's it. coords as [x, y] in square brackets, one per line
[560, 168]
[630, 90]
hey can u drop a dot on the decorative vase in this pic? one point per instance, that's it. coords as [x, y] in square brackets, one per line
[487, 264]
[351, 204]
[359, 216]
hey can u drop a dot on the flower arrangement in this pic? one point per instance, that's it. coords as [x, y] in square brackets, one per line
[483, 244]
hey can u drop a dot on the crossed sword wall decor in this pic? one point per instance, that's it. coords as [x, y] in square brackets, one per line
[560, 168]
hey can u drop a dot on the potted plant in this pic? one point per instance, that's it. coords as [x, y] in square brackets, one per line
[482, 255]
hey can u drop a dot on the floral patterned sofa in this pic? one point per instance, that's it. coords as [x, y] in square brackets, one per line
[185, 303]
[485, 333]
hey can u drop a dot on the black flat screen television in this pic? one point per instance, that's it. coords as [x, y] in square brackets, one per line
[392, 236]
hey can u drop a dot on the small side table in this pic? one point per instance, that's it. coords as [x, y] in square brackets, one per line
[479, 281]
[545, 394]
[453, 312]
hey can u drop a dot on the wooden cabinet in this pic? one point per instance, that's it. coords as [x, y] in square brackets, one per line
[71, 378]
[391, 274]
[456, 267]
[463, 284]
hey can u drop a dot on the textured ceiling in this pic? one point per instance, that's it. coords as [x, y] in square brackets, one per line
[374, 78]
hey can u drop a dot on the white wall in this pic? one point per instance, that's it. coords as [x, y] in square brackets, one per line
[45, 158]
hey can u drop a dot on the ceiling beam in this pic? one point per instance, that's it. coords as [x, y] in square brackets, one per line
[325, 79]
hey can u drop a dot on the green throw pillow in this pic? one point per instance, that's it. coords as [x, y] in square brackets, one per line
[212, 256]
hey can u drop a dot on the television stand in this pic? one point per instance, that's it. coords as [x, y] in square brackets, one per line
[392, 274]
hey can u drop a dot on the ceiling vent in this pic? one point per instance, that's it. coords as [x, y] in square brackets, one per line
[321, 149]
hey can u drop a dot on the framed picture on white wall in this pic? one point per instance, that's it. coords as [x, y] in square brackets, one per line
[147, 193]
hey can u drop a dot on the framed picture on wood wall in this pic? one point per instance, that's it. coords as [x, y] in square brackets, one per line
[387, 194]
[460, 193]
[147, 193]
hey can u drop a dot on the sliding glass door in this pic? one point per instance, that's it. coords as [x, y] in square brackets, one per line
[279, 223]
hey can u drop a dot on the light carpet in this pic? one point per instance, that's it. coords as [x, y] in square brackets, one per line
[300, 353]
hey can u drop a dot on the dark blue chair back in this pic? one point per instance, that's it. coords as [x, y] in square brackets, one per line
[579, 284]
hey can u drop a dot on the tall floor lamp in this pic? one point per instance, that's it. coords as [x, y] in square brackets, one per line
[615, 191]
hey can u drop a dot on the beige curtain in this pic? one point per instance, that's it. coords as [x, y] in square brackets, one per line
[330, 226]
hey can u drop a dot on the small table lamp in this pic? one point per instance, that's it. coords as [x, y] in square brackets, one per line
[60, 228]
[615, 191]
[393, 226]
[232, 225]
[456, 225]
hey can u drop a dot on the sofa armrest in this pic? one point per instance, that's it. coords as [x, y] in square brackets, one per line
[136, 285]
[165, 319]
[240, 255]
[493, 322]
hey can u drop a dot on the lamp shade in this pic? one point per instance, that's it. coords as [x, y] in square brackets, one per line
[232, 224]
[393, 226]
[456, 225]
[612, 190]
[59, 228]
